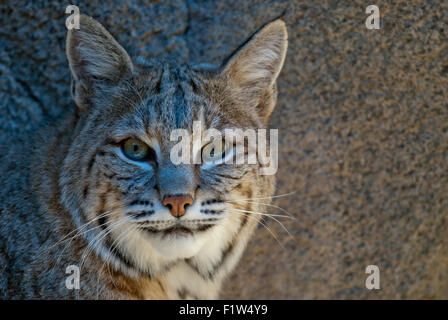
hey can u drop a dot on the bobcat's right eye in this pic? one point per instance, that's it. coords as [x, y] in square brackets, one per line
[137, 150]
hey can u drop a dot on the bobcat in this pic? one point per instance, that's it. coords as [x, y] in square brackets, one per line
[97, 189]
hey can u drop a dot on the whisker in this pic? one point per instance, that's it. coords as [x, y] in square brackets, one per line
[91, 246]
[266, 214]
[265, 204]
[121, 237]
[265, 226]
[98, 238]
[107, 213]
[270, 216]
[277, 196]
[69, 240]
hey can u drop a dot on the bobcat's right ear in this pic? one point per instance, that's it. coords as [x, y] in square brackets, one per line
[253, 70]
[96, 60]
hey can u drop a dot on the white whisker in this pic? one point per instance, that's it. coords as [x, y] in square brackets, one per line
[267, 228]
[262, 203]
[270, 216]
[277, 196]
[266, 214]
[104, 214]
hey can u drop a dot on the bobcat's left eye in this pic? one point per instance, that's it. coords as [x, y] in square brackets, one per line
[214, 151]
[135, 149]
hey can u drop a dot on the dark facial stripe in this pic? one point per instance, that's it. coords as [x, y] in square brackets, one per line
[102, 221]
[205, 227]
[209, 211]
[225, 254]
[161, 286]
[116, 252]
[93, 159]
[141, 214]
[114, 176]
[158, 86]
[226, 176]
[91, 162]
[85, 191]
[184, 293]
[180, 97]
[211, 201]
[244, 220]
[141, 202]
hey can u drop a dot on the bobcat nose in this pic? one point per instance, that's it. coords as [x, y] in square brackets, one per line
[177, 204]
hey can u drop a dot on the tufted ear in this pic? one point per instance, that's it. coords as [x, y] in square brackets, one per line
[96, 60]
[253, 69]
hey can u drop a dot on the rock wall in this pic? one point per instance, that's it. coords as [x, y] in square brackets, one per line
[362, 118]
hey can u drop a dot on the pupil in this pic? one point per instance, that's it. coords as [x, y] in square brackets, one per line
[135, 147]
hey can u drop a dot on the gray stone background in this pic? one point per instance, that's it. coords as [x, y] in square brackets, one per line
[362, 118]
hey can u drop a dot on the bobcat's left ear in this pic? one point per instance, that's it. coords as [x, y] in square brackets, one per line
[253, 70]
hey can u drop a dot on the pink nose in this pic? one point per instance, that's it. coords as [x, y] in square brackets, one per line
[177, 204]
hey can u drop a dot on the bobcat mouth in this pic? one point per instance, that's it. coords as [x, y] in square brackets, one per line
[179, 230]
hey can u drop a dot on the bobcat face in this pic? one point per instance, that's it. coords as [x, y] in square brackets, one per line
[140, 211]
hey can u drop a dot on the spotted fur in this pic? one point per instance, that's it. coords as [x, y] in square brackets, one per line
[70, 197]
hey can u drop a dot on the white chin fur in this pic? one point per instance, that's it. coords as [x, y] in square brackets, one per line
[178, 246]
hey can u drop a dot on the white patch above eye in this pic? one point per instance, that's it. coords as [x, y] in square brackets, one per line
[154, 144]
